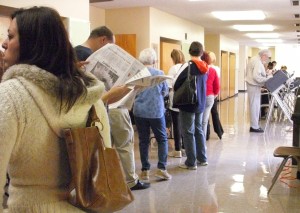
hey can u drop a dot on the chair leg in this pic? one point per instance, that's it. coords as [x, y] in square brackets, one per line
[278, 173]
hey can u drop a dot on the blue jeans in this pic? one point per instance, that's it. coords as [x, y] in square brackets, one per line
[193, 137]
[209, 103]
[158, 126]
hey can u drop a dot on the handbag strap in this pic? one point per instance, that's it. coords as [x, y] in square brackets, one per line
[93, 117]
[189, 71]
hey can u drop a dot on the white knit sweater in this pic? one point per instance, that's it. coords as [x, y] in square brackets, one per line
[31, 146]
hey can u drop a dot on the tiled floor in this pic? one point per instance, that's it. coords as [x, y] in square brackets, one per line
[240, 169]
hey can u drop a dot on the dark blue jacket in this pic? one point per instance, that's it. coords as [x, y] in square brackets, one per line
[197, 69]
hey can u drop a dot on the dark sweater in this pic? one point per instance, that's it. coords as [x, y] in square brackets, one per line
[82, 52]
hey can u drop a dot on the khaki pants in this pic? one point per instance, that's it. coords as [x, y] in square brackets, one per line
[123, 139]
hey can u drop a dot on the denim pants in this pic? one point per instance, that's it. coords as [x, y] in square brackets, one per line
[209, 103]
[158, 126]
[193, 137]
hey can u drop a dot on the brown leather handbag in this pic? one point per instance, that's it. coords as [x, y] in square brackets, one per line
[98, 182]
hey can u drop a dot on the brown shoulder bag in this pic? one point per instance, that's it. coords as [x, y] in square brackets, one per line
[98, 182]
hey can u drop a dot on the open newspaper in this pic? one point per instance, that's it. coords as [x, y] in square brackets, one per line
[115, 67]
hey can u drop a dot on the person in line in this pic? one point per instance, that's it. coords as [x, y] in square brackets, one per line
[212, 90]
[178, 59]
[148, 111]
[274, 66]
[122, 132]
[283, 68]
[214, 110]
[42, 92]
[270, 69]
[255, 78]
[191, 116]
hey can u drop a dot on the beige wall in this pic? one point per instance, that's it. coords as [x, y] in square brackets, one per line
[228, 44]
[218, 43]
[150, 24]
[243, 60]
[212, 43]
[130, 21]
[76, 19]
[97, 17]
[169, 26]
[79, 9]
[4, 24]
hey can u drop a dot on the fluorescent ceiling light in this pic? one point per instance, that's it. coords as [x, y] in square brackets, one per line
[269, 40]
[239, 15]
[264, 46]
[262, 35]
[260, 27]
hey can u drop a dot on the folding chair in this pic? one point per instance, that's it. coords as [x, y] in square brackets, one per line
[285, 152]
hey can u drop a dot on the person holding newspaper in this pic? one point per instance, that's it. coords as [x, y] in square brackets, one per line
[148, 111]
[122, 132]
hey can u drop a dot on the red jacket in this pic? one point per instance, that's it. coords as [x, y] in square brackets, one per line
[212, 82]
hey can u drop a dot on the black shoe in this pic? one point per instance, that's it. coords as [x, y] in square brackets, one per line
[259, 130]
[220, 135]
[140, 185]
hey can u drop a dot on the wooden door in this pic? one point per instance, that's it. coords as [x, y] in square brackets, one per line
[127, 42]
[165, 55]
[232, 74]
[224, 76]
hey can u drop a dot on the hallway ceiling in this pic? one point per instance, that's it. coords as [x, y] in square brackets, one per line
[280, 13]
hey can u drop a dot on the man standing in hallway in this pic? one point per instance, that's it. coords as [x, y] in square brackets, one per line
[121, 128]
[256, 77]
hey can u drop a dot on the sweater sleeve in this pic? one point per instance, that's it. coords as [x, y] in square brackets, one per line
[8, 135]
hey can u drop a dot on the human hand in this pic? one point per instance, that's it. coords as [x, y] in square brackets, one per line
[80, 64]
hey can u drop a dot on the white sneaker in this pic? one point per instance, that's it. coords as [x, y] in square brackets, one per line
[202, 163]
[183, 153]
[163, 174]
[145, 175]
[183, 166]
[175, 154]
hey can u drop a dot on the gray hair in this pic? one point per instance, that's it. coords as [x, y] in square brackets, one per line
[148, 56]
[264, 52]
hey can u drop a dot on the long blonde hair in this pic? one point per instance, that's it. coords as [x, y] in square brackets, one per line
[177, 56]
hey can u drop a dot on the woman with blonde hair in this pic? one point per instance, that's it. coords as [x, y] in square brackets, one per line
[178, 59]
[212, 89]
[214, 110]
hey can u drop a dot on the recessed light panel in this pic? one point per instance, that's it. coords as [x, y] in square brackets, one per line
[253, 28]
[262, 35]
[239, 15]
[269, 40]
